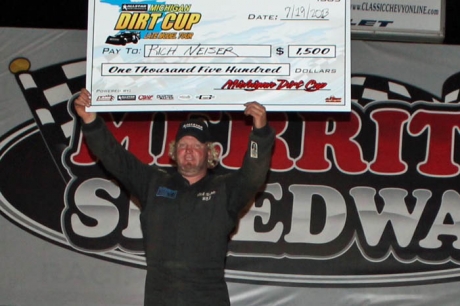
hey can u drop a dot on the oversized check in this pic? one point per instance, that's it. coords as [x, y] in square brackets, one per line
[289, 55]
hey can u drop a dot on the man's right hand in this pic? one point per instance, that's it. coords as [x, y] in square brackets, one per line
[80, 103]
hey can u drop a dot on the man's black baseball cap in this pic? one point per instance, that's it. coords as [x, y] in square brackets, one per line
[196, 128]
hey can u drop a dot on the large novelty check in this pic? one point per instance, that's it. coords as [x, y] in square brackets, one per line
[216, 55]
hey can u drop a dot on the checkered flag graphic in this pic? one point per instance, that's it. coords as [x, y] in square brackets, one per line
[47, 92]
[451, 89]
[368, 88]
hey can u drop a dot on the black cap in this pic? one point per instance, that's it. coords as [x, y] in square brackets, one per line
[196, 128]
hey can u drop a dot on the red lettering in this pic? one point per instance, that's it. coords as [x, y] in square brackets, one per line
[322, 139]
[83, 156]
[289, 84]
[312, 85]
[389, 141]
[249, 85]
[321, 134]
[440, 129]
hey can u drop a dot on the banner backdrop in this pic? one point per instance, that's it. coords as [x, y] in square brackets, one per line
[359, 208]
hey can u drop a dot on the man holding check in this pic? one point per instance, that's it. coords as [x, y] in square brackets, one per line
[187, 215]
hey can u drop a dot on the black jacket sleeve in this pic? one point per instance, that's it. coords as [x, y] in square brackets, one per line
[243, 185]
[122, 164]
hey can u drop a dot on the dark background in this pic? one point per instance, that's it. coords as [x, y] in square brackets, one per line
[62, 14]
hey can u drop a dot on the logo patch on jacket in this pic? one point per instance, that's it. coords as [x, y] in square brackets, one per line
[206, 195]
[254, 150]
[166, 192]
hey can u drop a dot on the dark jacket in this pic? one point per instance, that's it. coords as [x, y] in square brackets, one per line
[185, 227]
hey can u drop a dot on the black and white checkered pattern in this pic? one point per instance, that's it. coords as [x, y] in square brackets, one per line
[369, 88]
[47, 92]
[451, 89]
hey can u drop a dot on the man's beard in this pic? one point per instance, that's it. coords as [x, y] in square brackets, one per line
[190, 169]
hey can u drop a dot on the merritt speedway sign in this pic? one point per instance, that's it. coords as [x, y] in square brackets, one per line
[360, 198]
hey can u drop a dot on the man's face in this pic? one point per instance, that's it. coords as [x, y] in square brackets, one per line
[191, 156]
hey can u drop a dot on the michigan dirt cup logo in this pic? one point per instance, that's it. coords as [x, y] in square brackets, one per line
[350, 198]
[156, 21]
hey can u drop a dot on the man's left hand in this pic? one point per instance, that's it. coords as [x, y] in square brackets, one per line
[258, 113]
